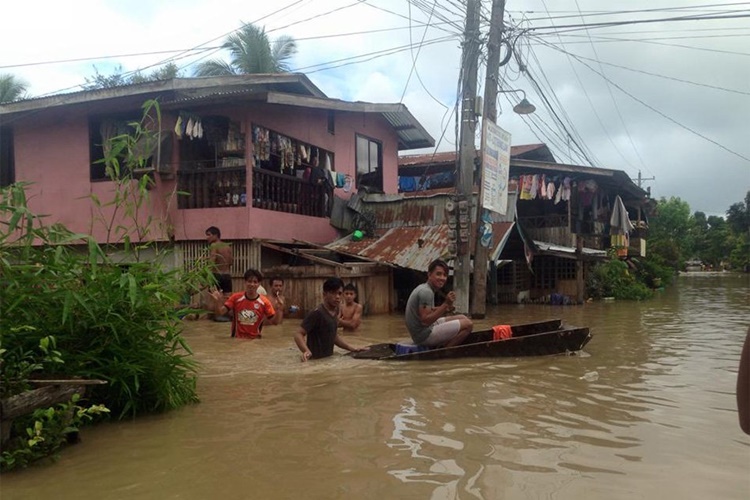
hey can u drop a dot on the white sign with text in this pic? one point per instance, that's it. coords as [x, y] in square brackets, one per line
[495, 167]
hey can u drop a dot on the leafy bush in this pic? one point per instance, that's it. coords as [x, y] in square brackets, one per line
[18, 364]
[613, 279]
[45, 431]
[71, 310]
[109, 321]
[653, 274]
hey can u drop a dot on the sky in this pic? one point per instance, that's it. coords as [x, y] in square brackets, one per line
[668, 99]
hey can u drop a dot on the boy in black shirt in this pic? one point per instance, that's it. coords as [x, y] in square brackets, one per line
[317, 334]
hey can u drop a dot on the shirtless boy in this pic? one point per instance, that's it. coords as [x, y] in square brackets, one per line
[276, 296]
[351, 310]
[220, 256]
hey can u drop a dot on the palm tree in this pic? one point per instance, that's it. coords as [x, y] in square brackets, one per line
[251, 52]
[12, 88]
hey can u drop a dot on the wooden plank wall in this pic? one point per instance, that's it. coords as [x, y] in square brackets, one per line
[303, 285]
[246, 255]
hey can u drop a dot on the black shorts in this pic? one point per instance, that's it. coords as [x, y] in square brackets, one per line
[224, 282]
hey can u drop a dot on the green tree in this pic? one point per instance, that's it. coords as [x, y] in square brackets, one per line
[738, 216]
[738, 221]
[716, 244]
[251, 52]
[12, 88]
[669, 233]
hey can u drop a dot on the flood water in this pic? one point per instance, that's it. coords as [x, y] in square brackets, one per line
[648, 411]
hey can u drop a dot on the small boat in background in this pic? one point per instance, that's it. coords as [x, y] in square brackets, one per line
[542, 338]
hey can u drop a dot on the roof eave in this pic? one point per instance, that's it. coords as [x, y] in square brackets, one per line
[411, 134]
[174, 85]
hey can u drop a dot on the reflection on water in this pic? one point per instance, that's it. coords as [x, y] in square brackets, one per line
[647, 412]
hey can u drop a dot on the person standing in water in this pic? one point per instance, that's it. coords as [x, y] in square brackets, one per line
[249, 308]
[276, 296]
[351, 310]
[221, 259]
[318, 333]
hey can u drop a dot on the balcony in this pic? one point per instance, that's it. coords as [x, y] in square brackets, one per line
[284, 193]
[212, 187]
[226, 187]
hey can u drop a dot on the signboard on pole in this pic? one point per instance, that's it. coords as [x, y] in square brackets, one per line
[495, 167]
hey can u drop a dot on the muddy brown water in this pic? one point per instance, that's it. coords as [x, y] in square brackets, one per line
[648, 411]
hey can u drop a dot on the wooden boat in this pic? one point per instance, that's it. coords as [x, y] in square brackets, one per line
[542, 338]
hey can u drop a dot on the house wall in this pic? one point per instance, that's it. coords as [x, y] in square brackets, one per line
[54, 156]
[311, 126]
[52, 152]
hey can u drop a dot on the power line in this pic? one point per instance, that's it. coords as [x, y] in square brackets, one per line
[578, 13]
[574, 136]
[614, 101]
[706, 49]
[664, 115]
[657, 75]
[578, 27]
[375, 55]
[593, 108]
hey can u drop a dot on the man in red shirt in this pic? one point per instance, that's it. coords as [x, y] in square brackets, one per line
[249, 308]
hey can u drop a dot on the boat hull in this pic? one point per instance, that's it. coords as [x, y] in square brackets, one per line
[533, 339]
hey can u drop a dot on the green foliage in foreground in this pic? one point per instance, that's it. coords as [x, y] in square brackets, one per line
[71, 309]
[45, 431]
[110, 321]
[614, 279]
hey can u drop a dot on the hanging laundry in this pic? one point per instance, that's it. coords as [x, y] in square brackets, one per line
[566, 189]
[543, 187]
[534, 186]
[587, 190]
[327, 165]
[178, 127]
[550, 190]
[526, 187]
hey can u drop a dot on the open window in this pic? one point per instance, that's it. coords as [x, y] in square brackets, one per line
[369, 164]
[141, 154]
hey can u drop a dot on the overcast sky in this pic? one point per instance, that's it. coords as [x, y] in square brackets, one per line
[668, 99]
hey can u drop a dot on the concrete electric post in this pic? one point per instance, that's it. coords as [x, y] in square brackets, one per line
[467, 152]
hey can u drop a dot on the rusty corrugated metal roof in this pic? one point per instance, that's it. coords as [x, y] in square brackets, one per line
[407, 247]
[411, 247]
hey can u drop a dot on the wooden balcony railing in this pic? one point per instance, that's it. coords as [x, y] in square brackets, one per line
[284, 193]
[212, 187]
[226, 187]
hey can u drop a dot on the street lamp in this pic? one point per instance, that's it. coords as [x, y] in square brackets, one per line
[524, 107]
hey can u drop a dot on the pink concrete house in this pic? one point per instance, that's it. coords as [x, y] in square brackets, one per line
[241, 146]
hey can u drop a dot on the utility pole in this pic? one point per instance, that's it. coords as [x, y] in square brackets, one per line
[467, 152]
[491, 87]
[641, 179]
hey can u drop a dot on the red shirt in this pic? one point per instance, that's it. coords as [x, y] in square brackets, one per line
[249, 314]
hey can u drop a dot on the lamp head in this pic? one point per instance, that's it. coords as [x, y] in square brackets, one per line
[524, 107]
